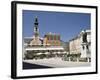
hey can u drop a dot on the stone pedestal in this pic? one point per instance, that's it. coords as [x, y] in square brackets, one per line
[85, 53]
[84, 50]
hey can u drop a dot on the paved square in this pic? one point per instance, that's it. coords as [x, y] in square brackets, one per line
[57, 63]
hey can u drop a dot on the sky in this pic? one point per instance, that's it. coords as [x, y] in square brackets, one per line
[67, 24]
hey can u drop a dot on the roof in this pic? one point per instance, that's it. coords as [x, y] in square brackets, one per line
[87, 31]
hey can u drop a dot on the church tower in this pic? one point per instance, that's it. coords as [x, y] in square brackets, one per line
[36, 29]
[36, 39]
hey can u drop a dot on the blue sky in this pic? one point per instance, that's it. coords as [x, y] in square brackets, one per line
[66, 24]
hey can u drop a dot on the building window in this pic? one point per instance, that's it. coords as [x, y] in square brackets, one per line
[55, 37]
[58, 37]
[51, 37]
[83, 47]
[85, 37]
[48, 37]
[87, 47]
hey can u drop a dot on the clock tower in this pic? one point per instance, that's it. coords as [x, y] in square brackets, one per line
[36, 39]
[36, 29]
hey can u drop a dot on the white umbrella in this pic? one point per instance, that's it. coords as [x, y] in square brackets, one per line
[46, 53]
[64, 52]
[39, 53]
[59, 52]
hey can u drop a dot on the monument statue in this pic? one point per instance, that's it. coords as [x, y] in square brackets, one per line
[84, 37]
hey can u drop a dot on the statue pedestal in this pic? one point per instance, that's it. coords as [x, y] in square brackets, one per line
[84, 50]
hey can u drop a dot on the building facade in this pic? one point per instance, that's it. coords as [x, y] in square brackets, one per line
[52, 39]
[85, 44]
[81, 44]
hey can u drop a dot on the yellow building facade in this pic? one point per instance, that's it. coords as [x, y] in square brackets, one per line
[52, 39]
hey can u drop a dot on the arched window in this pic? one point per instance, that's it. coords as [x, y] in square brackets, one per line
[87, 47]
[83, 47]
[85, 37]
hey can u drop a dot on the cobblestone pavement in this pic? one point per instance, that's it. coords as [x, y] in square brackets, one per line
[57, 63]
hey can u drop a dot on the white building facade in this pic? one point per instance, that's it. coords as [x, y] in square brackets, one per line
[85, 44]
[81, 44]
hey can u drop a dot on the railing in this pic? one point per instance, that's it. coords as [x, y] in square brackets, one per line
[41, 46]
